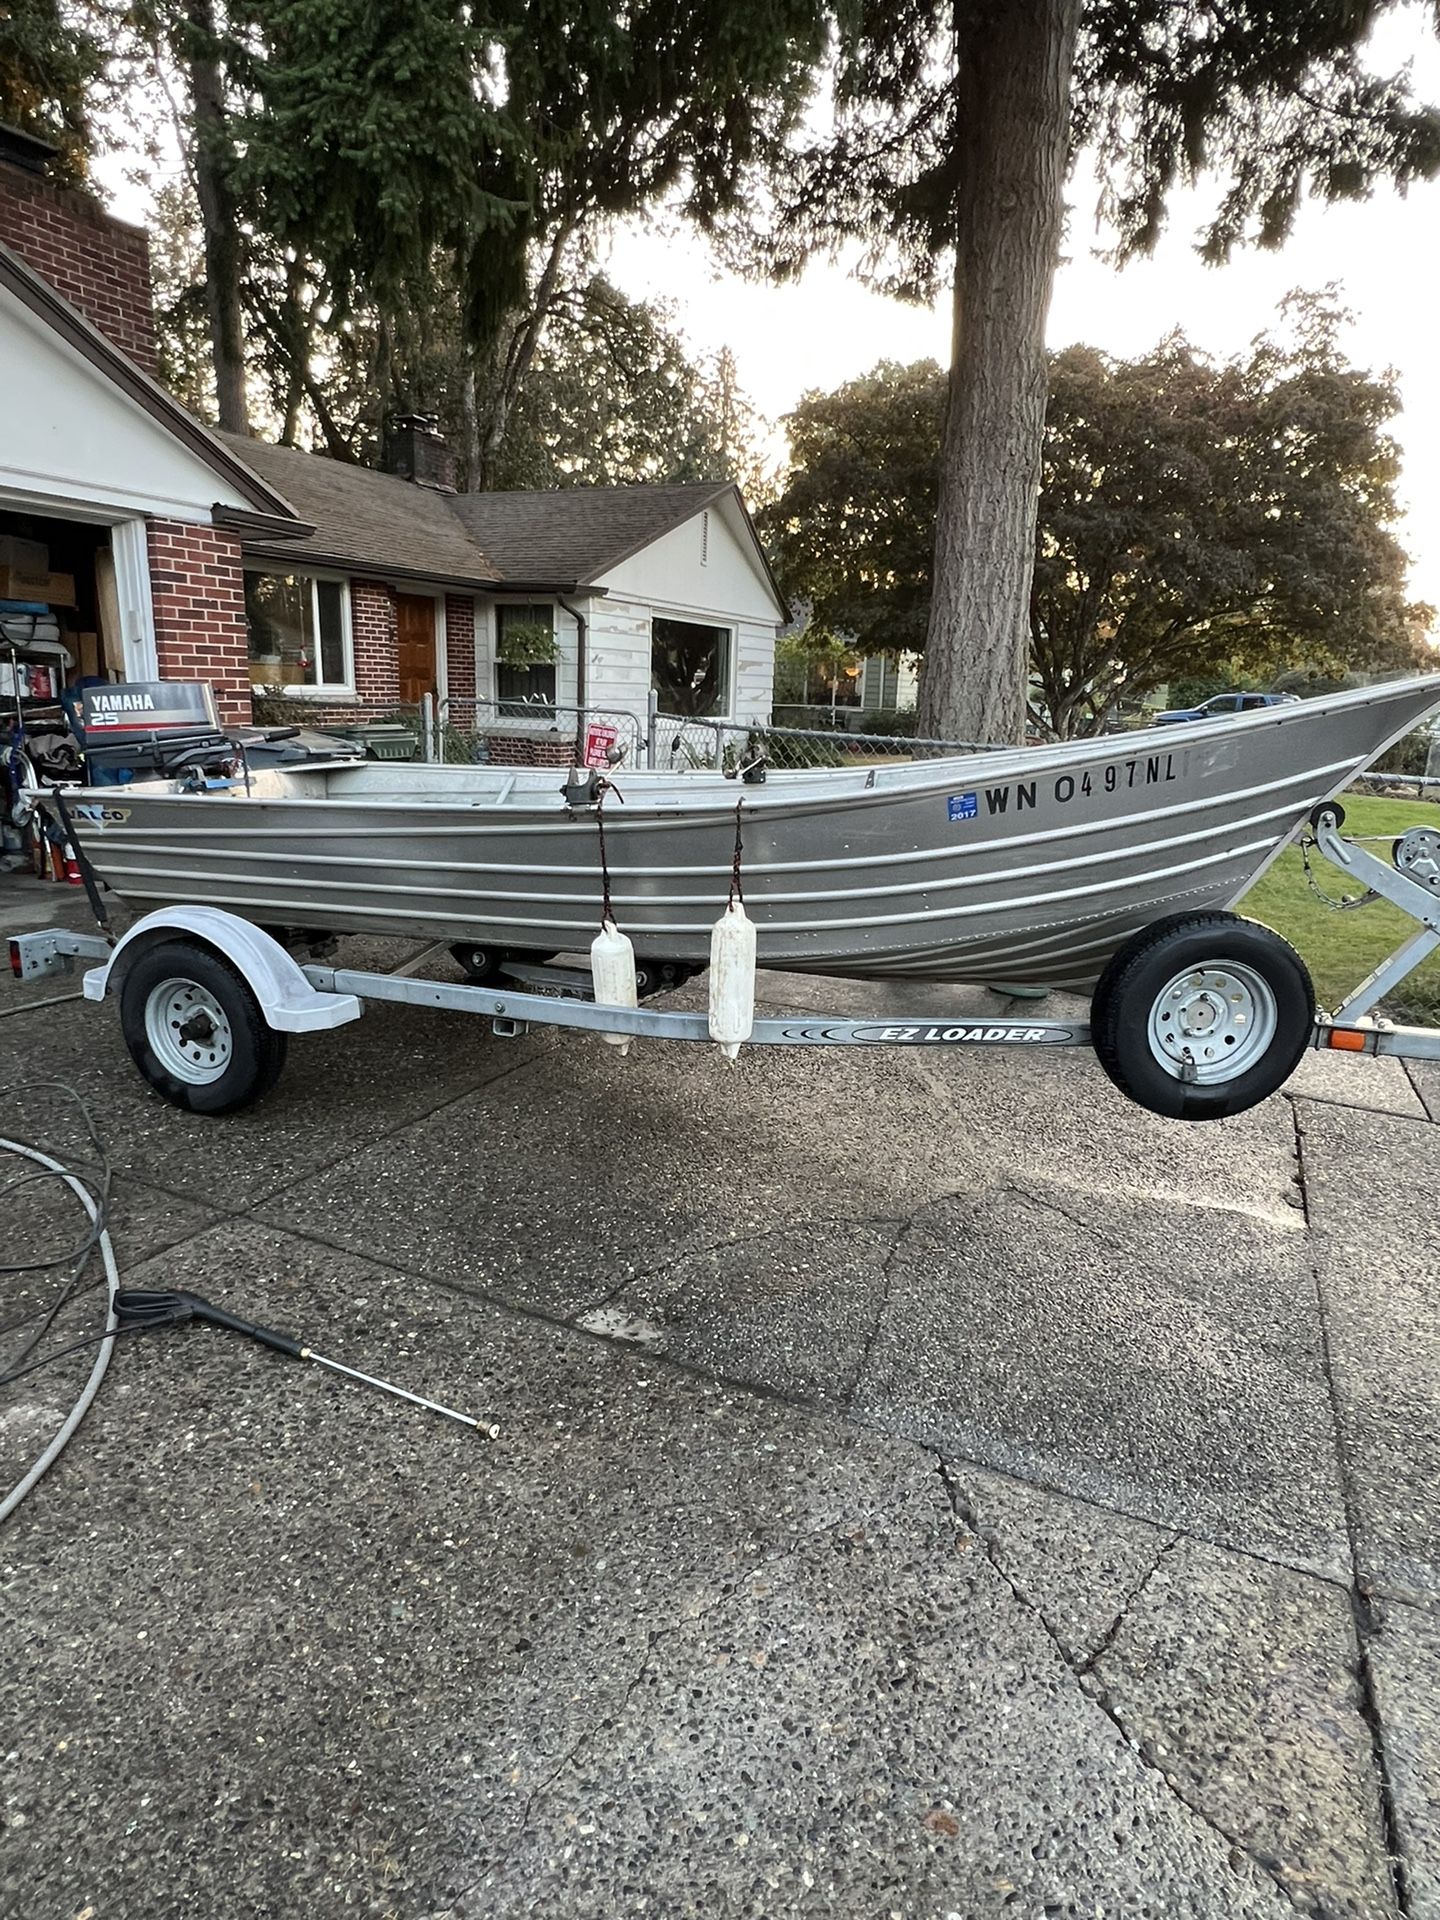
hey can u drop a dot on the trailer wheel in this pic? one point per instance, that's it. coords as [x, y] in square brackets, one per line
[195, 1030]
[1202, 1015]
[480, 965]
[662, 976]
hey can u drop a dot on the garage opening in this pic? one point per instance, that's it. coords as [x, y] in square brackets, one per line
[59, 631]
[59, 611]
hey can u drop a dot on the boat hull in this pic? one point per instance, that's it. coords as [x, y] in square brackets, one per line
[1030, 865]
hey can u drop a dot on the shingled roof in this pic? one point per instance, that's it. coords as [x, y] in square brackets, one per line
[364, 521]
[573, 534]
[553, 541]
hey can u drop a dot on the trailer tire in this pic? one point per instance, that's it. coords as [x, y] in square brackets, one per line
[663, 976]
[195, 1029]
[1226, 991]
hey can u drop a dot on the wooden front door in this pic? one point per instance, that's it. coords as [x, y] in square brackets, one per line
[415, 647]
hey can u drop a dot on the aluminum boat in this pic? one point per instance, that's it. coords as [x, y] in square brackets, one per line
[1028, 864]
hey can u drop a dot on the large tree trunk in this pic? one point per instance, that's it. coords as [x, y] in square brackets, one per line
[1013, 90]
[218, 217]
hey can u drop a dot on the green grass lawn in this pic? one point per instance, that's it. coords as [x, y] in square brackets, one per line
[1341, 948]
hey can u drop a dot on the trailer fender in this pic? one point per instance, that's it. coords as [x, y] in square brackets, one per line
[286, 998]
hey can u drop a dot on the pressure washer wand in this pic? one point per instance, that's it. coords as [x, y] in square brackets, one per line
[141, 1307]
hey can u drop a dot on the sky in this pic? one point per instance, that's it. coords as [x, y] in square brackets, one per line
[1381, 255]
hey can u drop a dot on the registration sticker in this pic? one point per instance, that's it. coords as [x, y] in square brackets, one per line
[962, 806]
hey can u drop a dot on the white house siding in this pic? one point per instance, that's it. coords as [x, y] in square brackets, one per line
[888, 682]
[707, 566]
[71, 437]
[754, 670]
[619, 655]
[705, 570]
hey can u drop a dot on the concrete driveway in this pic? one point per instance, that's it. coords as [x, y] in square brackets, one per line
[927, 1486]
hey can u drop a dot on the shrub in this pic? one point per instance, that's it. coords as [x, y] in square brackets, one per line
[1410, 755]
[901, 722]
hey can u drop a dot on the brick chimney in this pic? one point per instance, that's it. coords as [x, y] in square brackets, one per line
[415, 449]
[98, 263]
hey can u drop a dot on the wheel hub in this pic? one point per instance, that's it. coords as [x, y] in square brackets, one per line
[188, 1031]
[1212, 1023]
[1418, 854]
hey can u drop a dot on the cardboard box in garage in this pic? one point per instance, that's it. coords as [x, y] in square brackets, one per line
[30, 556]
[55, 589]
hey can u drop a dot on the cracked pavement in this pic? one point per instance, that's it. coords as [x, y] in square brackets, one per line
[925, 1486]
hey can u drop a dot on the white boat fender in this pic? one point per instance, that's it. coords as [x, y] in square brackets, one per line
[732, 979]
[612, 973]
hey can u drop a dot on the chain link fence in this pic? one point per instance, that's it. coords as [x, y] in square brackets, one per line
[516, 733]
[467, 732]
[1400, 786]
[723, 745]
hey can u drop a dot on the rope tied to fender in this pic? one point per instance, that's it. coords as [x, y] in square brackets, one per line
[737, 887]
[604, 787]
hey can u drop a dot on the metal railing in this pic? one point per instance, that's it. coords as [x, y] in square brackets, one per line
[1424, 786]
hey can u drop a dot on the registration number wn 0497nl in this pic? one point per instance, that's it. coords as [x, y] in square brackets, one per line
[1018, 796]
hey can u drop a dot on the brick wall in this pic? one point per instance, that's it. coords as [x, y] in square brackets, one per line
[99, 264]
[530, 750]
[460, 646]
[198, 587]
[377, 659]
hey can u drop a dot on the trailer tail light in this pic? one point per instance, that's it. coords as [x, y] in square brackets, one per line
[17, 966]
[1346, 1040]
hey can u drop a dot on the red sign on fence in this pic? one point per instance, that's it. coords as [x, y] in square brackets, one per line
[599, 739]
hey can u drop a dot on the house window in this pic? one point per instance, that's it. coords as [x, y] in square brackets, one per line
[299, 631]
[690, 666]
[523, 689]
[880, 682]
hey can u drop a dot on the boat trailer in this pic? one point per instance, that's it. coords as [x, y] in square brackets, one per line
[1197, 1016]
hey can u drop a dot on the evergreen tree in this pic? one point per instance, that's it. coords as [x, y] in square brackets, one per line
[52, 66]
[614, 398]
[954, 121]
[481, 145]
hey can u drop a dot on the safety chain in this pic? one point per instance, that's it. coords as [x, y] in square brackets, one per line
[1349, 900]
